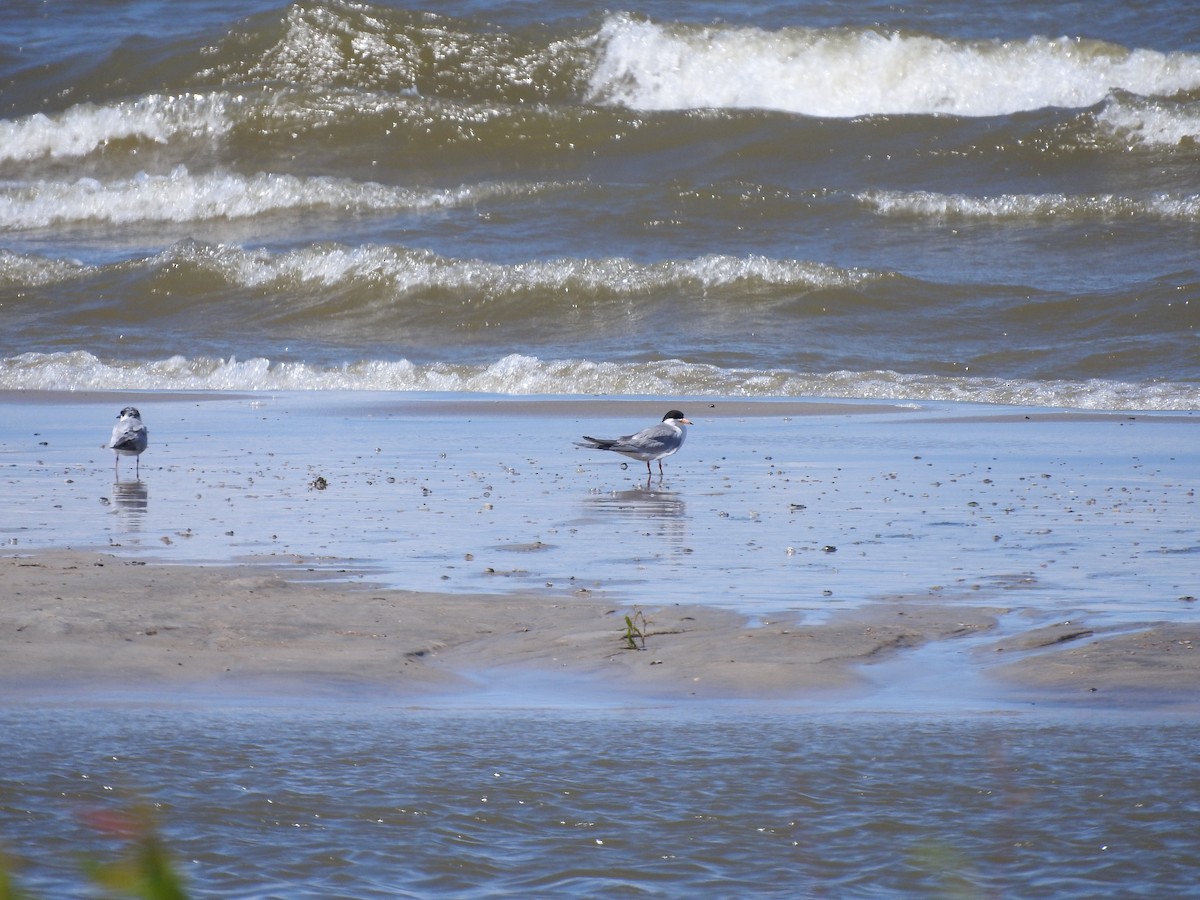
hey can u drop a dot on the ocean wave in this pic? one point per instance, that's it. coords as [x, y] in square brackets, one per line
[1135, 122]
[355, 73]
[410, 271]
[335, 45]
[848, 72]
[22, 270]
[525, 375]
[251, 124]
[404, 271]
[180, 196]
[925, 204]
[86, 128]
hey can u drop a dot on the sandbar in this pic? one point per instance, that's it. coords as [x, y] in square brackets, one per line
[433, 547]
[77, 621]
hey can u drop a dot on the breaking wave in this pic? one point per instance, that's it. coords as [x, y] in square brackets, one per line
[1021, 206]
[526, 375]
[405, 271]
[180, 196]
[85, 128]
[857, 72]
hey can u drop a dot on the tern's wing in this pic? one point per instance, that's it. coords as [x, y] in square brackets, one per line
[129, 436]
[654, 439]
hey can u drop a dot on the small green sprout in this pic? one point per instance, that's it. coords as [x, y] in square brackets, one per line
[636, 627]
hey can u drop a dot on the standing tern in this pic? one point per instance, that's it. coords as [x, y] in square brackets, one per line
[129, 438]
[649, 444]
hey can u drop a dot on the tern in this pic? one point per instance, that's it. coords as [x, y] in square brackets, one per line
[649, 444]
[129, 438]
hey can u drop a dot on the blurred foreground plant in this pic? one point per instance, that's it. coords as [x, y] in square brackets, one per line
[8, 890]
[143, 870]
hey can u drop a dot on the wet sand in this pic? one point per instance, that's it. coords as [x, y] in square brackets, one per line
[734, 584]
[94, 619]
[80, 622]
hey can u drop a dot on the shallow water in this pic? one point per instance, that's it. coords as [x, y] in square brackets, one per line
[762, 513]
[382, 801]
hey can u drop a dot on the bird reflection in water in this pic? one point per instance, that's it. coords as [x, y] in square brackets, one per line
[131, 500]
[641, 502]
[640, 510]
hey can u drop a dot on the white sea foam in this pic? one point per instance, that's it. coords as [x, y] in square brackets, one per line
[333, 44]
[409, 271]
[1020, 206]
[849, 72]
[525, 375]
[416, 270]
[22, 270]
[1141, 123]
[86, 128]
[180, 196]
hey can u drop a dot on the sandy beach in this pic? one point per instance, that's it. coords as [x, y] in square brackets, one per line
[536, 598]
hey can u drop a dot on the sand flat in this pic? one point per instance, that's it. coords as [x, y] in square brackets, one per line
[80, 617]
[78, 621]
[437, 545]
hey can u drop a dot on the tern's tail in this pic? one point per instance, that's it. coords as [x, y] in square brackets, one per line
[596, 443]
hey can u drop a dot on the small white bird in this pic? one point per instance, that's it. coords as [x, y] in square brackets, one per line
[129, 438]
[649, 444]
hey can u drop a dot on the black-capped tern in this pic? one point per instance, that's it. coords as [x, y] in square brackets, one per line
[129, 438]
[649, 444]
